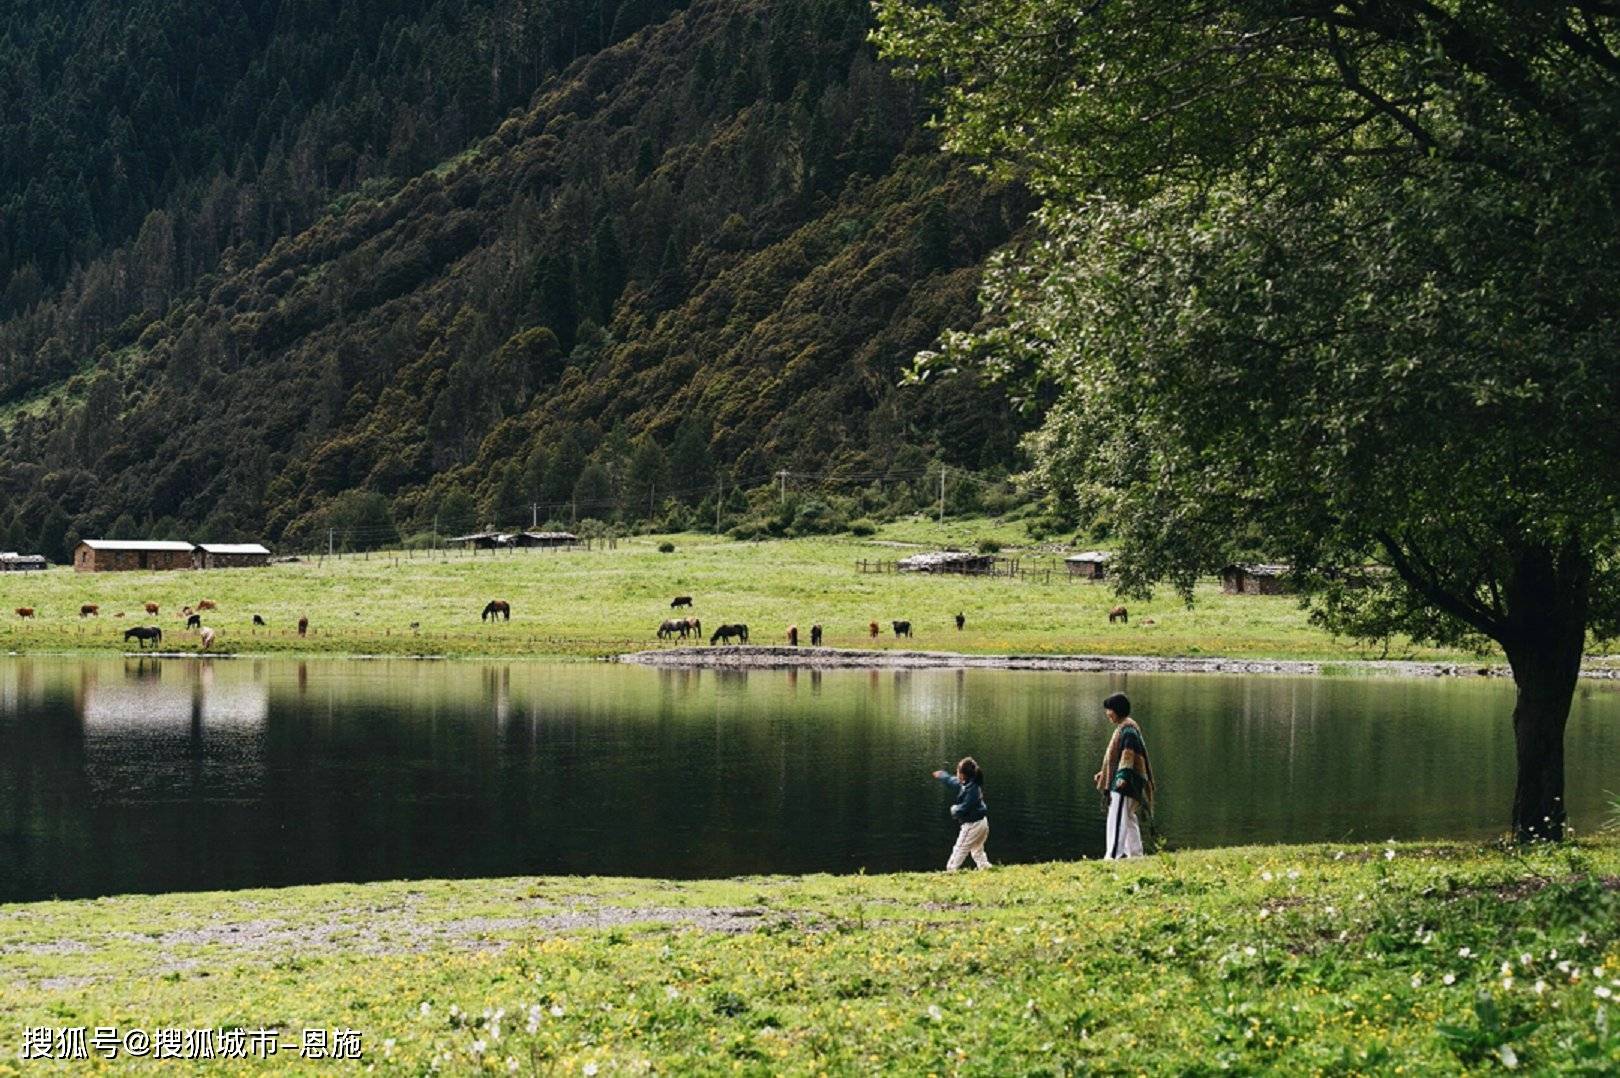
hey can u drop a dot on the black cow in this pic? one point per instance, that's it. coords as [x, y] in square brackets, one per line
[815, 636]
[902, 628]
[258, 621]
[194, 622]
[961, 620]
[681, 600]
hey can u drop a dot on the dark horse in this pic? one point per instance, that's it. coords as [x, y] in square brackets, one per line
[1119, 613]
[497, 608]
[670, 626]
[726, 632]
[815, 636]
[142, 633]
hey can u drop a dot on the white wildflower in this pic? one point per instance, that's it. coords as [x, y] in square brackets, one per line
[589, 1069]
[671, 991]
[1389, 855]
[1450, 978]
[1417, 980]
[556, 1010]
[1465, 952]
[935, 1013]
[425, 1009]
[1540, 986]
[1603, 991]
[478, 1047]
[1508, 1057]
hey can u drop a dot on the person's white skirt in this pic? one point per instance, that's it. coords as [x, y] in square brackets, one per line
[1124, 836]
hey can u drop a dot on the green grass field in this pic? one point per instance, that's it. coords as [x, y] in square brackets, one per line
[586, 603]
[1297, 960]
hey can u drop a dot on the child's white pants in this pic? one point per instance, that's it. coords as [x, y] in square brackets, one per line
[970, 840]
[1124, 837]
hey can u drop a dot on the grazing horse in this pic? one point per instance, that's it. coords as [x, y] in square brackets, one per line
[872, 629]
[793, 636]
[681, 600]
[497, 608]
[303, 626]
[142, 633]
[693, 626]
[258, 621]
[902, 628]
[815, 636]
[727, 632]
[1119, 613]
[89, 610]
[670, 626]
[194, 622]
[151, 608]
[205, 604]
[961, 620]
[207, 637]
[25, 611]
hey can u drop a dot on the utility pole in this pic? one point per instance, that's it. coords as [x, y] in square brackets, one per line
[783, 476]
[328, 542]
[942, 493]
[719, 500]
[534, 515]
[435, 531]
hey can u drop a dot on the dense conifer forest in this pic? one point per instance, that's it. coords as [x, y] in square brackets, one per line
[268, 268]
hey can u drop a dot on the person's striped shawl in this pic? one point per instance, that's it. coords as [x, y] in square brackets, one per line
[1125, 766]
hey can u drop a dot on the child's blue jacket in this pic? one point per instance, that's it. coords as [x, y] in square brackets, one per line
[969, 805]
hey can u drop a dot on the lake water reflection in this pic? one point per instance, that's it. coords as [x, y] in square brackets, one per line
[152, 775]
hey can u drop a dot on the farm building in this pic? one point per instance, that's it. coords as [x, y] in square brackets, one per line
[948, 561]
[1255, 580]
[490, 540]
[230, 555]
[21, 563]
[545, 539]
[109, 555]
[1091, 564]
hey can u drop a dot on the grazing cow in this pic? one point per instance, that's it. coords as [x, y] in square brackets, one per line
[681, 600]
[872, 629]
[207, 637]
[258, 621]
[25, 611]
[205, 604]
[142, 633]
[815, 636]
[151, 608]
[194, 622]
[793, 636]
[185, 612]
[1119, 613]
[1149, 621]
[303, 626]
[693, 626]
[902, 628]
[670, 626]
[961, 620]
[497, 608]
[416, 626]
[89, 610]
[727, 632]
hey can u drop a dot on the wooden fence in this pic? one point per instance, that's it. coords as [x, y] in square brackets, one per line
[1010, 568]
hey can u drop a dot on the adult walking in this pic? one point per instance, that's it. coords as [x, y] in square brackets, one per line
[1127, 778]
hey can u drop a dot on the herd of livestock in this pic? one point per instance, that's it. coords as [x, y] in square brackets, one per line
[153, 634]
[671, 628]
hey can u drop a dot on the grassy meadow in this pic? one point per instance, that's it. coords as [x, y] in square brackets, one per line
[1313, 959]
[599, 602]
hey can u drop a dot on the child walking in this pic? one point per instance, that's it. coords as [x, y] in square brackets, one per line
[970, 811]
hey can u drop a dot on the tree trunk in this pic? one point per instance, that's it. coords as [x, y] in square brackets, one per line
[1545, 674]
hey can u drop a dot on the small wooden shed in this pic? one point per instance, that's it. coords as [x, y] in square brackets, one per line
[545, 539]
[12, 562]
[486, 540]
[115, 555]
[1090, 564]
[231, 555]
[1255, 580]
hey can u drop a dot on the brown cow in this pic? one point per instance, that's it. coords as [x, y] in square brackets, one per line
[872, 629]
[25, 611]
[151, 608]
[89, 610]
[1119, 613]
[205, 604]
[303, 626]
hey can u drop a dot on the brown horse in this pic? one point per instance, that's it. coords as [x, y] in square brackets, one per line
[25, 611]
[872, 629]
[303, 626]
[793, 636]
[1119, 613]
[89, 610]
[151, 608]
[961, 620]
[497, 608]
[693, 626]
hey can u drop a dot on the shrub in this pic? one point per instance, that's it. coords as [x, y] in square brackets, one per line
[862, 526]
[989, 546]
[666, 547]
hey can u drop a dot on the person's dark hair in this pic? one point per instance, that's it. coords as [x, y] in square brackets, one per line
[969, 769]
[1119, 704]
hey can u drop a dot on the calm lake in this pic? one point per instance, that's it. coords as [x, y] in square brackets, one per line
[125, 775]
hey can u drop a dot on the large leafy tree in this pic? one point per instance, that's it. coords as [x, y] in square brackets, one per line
[1343, 273]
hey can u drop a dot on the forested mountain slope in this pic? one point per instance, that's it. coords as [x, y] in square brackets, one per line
[698, 255]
